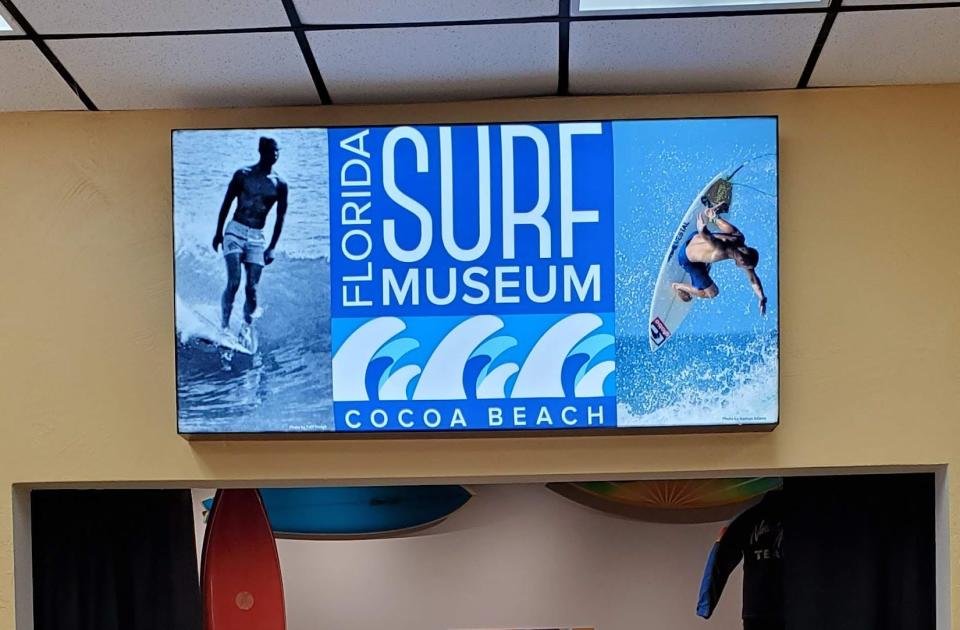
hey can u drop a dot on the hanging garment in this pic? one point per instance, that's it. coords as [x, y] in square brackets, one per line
[114, 560]
[756, 537]
[862, 552]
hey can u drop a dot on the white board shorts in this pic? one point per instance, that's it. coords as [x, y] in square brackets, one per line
[246, 241]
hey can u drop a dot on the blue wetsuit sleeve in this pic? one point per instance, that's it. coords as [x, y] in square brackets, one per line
[723, 559]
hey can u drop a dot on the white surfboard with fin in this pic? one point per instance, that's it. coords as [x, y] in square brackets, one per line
[193, 324]
[667, 311]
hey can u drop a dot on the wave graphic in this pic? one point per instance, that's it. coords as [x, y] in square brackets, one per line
[542, 373]
[495, 383]
[396, 385]
[394, 351]
[591, 347]
[444, 374]
[492, 349]
[354, 357]
[591, 385]
[471, 361]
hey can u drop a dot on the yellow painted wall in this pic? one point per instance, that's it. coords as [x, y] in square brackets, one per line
[870, 304]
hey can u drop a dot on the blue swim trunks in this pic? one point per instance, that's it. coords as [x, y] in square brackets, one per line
[699, 272]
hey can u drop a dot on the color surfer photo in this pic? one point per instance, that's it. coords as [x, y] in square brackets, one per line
[252, 280]
[697, 311]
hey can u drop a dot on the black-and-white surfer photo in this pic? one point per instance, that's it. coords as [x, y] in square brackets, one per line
[252, 252]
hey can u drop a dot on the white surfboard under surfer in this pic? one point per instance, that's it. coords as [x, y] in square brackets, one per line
[675, 288]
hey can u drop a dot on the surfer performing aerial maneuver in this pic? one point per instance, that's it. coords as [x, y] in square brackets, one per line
[703, 248]
[256, 188]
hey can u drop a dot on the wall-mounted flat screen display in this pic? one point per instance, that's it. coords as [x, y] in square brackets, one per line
[544, 276]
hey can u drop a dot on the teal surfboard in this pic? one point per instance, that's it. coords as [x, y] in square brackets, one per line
[359, 512]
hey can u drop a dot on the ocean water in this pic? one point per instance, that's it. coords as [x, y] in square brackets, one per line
[697, 380]
[288, 384]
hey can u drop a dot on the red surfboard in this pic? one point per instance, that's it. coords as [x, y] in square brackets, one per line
[240, 570]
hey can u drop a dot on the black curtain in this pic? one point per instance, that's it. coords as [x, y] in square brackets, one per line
[859, 552]
[114, 560]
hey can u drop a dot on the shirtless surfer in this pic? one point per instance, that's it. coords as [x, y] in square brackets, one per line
[704, 248]
[256, 188]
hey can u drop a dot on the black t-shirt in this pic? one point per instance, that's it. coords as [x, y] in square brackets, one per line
[756, 537]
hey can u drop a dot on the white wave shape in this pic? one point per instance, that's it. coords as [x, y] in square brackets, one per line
[591, 385]
[395, 386]
[397, 348]
[494, 385]
[394, 350]
[442, 377]
[352, 360]
[591, 346]
[493, 348]
[540, 375]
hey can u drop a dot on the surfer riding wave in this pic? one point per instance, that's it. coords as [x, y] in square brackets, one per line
[256, 188]
[703, 248]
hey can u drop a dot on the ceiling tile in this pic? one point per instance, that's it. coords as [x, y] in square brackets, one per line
[854, 3]
[30, 82]
[387, 11]
[690, 54]
[14, 27]
[891, 47]
[127, 16]
[239, 70]
[438, 63]
[628, 7]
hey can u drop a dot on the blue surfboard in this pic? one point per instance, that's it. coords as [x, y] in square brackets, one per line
[359, 512]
